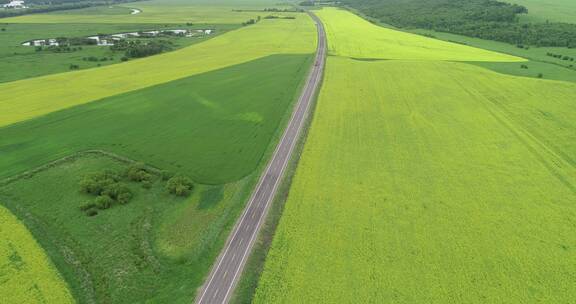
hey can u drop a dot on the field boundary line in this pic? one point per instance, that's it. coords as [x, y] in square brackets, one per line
[72, 157]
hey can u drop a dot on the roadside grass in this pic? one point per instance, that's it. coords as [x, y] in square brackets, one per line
[160, 11]
[248, 282]
[449, 183]
[26, 273]
[191, 125]
[26, 99]
[20, 62]
[351, 36]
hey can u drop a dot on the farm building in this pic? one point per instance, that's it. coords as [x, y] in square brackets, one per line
[15, 4]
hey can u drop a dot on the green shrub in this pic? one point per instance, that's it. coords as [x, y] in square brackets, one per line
[107, 186]
[179, 185]
[146, 184]
[115, 190]
[124, 197]
[92, 212]
[94, 186]
[103, 202]
[138, 173]
[86, 206]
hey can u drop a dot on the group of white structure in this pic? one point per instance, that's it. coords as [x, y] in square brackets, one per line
[109, 40]
[41, 42]
[17, 4]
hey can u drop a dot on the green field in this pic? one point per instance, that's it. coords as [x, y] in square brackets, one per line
[25, 99]
[21, 62]
[551, 10]
[539, 62]
[126, 254]
[428, 181]
[212, 111]
[190, 125]
[352, 36]
[159, 11]
[26, 273]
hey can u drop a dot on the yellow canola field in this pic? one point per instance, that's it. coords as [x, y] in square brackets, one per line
[26, 273]
[351, 36]
[430, 182]
[28, 98]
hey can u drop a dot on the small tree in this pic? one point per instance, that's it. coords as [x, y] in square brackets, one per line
[103, 202]
[180, 185]
[138, 173]
[124, 197]
[87, 206]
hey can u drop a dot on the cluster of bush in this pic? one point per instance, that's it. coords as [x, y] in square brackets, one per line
[139, 174]
[284, 10]
[251, 21]
[58, 49]
[559, 56]
[96, 59]
[139, 49]
[110, 188]
[179, 185]
[279, 17]
[486, 19]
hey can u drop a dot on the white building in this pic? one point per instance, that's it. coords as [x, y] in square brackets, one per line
[105, 41]
[15, 4]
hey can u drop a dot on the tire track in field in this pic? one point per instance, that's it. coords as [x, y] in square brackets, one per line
[552, 161]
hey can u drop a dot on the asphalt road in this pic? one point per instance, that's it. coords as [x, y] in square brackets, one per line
[225, 273]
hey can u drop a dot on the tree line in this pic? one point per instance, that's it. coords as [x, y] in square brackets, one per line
[486, 19]
[42, 6]
[139, 49]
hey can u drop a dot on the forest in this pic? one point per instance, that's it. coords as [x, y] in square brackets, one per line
[486, 19]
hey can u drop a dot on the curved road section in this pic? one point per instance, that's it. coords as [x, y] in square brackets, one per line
[224, 275]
